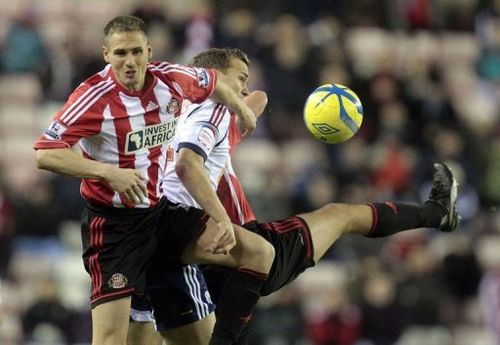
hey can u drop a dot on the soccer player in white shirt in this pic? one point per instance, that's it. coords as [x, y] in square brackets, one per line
[201, 152]
[190, 195]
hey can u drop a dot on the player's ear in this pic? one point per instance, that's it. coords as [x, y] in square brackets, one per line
[105, 53]
[150, 52]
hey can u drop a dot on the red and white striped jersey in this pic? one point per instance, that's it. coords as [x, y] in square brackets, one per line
[210, 130]
[127, 129]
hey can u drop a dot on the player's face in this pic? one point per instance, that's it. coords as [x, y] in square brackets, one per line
[236, 77]
[128, 53]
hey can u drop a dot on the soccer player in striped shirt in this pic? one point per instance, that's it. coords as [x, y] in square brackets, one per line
[123, 119]
[206, 135]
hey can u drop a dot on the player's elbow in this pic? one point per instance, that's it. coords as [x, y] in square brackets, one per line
[257, 101]
[261, 98]
[188, 164]
[49, 159]
[42, 159]
[182, 168]
[261, 102]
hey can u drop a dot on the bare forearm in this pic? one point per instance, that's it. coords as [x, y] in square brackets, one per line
[197, 183]
[70, 163]
[223, 94]
[129, 183]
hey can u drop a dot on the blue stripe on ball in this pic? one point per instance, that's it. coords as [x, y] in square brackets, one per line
[335, 90]
[346, 118]
[339, 92]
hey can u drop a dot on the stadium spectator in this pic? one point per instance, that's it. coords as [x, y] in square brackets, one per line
[46, 320]
[383, 318]
[24, 49]
[7, 224]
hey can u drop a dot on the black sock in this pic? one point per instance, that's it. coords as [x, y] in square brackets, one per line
[390, 218]
[238, 297]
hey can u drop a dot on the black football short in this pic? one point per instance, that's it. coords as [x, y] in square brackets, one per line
[117, 245]
[178, 296]
[177, 293]
[291, 239]
[179, 224]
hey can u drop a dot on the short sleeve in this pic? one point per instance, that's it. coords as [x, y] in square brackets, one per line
[77, 119]
[203, 128]
[195, 84]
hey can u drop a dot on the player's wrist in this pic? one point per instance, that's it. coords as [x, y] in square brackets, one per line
[223, 219]
[105, 172]
[244, 110]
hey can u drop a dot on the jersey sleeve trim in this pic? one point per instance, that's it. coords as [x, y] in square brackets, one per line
[210, 125]
[222, 140]
[194, 148]
[48, 144]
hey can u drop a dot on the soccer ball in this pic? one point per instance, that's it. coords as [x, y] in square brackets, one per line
[333, 113]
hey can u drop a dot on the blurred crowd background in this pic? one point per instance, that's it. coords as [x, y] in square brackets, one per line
[428, 74]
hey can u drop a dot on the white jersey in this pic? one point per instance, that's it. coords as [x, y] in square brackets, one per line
[202, 128]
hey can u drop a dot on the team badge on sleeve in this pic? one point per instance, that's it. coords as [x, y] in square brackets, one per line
[203, 77]
[54, 131]
[206, 137]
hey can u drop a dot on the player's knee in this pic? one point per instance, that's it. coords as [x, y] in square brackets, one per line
[196, 333]
[268, 253]
[110, 322]
[260, 258]
[192, 339]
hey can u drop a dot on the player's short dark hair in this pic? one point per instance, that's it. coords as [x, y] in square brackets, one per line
[125, 24]
[218, 58]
